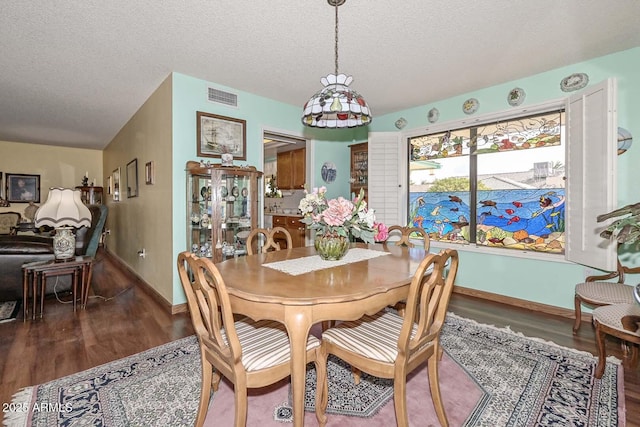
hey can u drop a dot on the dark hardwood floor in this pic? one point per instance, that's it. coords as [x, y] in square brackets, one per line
[130, 321]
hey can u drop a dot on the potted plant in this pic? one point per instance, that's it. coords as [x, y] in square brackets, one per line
[335, 220]
[626, 230]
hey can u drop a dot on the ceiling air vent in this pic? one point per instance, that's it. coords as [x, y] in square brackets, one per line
[222, 97]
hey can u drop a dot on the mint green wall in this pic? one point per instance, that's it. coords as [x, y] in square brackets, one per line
[540, 281]
[544, 282]
[190, 95]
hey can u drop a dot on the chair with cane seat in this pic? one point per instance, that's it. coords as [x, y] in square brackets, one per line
[595, 291]
[250, 354]
[270, 242]
[390, 346]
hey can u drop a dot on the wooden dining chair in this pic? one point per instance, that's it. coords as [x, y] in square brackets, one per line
[387, 345]
[249, 354]
[405, 240]
[596, 291]
[272, 238]
[405, 236]
[609, 320]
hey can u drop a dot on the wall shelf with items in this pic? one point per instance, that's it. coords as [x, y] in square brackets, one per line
[222, 208]
[359, 168]
[90, 195]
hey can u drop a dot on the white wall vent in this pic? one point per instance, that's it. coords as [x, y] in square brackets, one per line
[222, 97]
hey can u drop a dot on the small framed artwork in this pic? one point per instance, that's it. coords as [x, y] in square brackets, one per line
[116, 185]
[149, 173]
[218, 135]
[109, 185]
[22, 188]
[132, 178]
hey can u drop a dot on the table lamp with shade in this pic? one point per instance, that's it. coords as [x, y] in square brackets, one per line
[63, 211]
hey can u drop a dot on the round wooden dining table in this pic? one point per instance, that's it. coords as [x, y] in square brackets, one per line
[297, 288]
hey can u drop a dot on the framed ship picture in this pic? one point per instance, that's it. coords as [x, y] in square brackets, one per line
[218, 135]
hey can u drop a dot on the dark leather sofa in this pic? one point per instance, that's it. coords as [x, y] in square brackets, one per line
[16, 250]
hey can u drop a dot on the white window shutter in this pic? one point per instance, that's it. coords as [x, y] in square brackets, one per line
[387, 177]
[591, 168]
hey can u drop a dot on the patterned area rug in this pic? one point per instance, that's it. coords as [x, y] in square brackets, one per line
[526, 382]
[9, 310]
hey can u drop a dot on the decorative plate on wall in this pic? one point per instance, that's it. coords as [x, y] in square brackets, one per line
[516, 96]
[574, 82]
[433, 115]
[470, 106]
[624, 140]
[401, 122]
[328, 172]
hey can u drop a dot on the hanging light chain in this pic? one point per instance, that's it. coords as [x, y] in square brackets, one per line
[336, 47]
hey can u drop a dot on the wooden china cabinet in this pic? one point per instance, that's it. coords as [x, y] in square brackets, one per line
[222, 208]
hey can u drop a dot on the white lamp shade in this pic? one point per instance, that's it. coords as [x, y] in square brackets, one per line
[63, 207]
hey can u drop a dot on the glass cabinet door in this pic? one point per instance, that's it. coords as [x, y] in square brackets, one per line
[222, 210]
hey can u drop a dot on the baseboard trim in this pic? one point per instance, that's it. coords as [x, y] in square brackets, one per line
[517, 302]
[142, 284]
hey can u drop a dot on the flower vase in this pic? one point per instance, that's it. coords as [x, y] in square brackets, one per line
[331, 247]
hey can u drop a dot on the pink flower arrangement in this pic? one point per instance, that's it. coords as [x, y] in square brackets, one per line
[341, 217]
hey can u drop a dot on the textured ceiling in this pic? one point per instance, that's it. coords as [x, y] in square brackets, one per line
[73, 72]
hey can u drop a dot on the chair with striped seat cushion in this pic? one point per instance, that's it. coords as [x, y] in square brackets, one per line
[596, 291]
[387, 345]
[404, 239]
[249, 354]
[608, 320]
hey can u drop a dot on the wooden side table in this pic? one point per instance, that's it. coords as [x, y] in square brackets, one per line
[35, 276]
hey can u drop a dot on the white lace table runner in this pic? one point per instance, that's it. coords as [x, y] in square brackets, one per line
[307, 264]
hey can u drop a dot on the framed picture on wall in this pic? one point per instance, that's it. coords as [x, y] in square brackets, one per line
[116, 184]
[218, 135]
[149, 173]
[132, 178]
[21, 188]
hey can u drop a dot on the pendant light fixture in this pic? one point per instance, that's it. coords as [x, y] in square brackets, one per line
[336, 105]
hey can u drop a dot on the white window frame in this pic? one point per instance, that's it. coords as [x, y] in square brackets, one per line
[586, 246]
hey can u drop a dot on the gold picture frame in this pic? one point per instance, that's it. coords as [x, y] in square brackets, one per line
[218, 135]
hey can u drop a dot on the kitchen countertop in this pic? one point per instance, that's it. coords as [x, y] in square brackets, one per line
[296, 215]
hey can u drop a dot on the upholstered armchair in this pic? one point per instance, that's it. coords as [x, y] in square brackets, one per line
[8, 220]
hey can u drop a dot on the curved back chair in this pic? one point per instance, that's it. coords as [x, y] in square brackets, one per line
[405, 239]
[621, 321]
[405, 235]
[595, 291]
[270, 242]
[387, 345]
[249, 354]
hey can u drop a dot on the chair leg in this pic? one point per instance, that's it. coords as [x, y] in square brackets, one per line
[434, 387]
[240, 394]
[356, 375]
[602, 352]
[400, 400]
[205, 392]
[578, 321]
[322, 387]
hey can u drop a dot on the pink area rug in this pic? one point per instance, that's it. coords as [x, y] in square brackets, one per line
[460, 394]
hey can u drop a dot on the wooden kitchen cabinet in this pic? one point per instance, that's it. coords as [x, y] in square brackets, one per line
[293, 225]
[291, 169]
